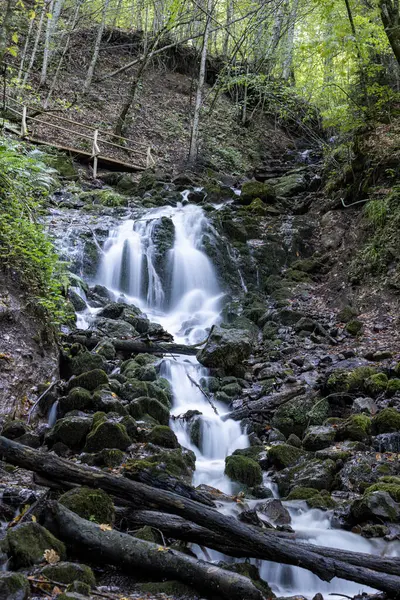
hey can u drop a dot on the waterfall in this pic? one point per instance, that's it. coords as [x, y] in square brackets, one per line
[187, 306]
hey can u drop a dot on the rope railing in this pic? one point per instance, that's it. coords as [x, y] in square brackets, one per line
[96, 139]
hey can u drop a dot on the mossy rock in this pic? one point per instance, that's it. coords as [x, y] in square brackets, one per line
[78, 399]
[318, 474]
[26, 543]
[257, 208]
[71, 431]
[255, 190]
[162, 435]
[243, 470]
[297, 414]
[90, 380]
[140, 407]
[393, 387]
[91, 504]
[107, 434]
[323, 502]
[175, 462]
[283, 455]
[376, 384]
[176, 589]
[393, 489]
[107, 401]
[377, 506]
[354, 327]
[356, 428]
[302, 493]
[347, 314]
[14, 586]
[109, 457]
[86, 361]
[67, 572]
[14, 429]
[318, 437]
[349, 380]
[386, 421]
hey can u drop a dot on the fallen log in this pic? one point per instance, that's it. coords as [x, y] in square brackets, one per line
[265, 405]
[135, 346]
[132, 554]
[263, 544]
[181, 529]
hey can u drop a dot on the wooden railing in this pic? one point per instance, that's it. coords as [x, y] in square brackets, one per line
[137, 151]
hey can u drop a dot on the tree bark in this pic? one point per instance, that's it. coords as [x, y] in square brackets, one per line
[5, 28]
[35, 45]
[263, 544]
[132, 346]
[96, 49]
[287, 73]
[129, 553]
[391, 22]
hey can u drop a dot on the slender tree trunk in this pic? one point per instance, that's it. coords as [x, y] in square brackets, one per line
[229, 15]
[96, 50]
[391, 21]
[28, 39]
[276, 36]
[5, 28]
[35, 45]
[200, 86]
[46, 50]
[287, 73]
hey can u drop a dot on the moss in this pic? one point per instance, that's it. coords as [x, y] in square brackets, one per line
[302, 493]
[109, 457]
[243, 469]
[297, 414]
[283, 455]
[78, 588]
[176, 463]
[347, 314]
[386, 421]
[90, 504]
[257, 207]
[26, 544]
[149, 406]
[71, 431]
[356, 428]
[90, 380]
[86, 361]
[321, 501]
[255, 190]
[376, 384]
[14, 586]
[66, 572]
[251, 452]
[349, 381]
[78, 399]
[391, 488]
[162, 435]
[297, 276]
[393, 387]
[107, 434]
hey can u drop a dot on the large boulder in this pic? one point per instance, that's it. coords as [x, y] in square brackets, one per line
[90, 380]
[225, 348]
[364, 469]
[291, 184]
[107, 433]
[243, 470]
[297, 414]
[67, 572]
[90, 504]
[27, 543]
[161, 435]
[274, 511]
[140, 407]
[284, 455]
[86, 361]
[14, 586]
[318, 437]
[386, 421]
[252, 190]
[114, 328]
[376, 506]
[71, 431]
[317, 474]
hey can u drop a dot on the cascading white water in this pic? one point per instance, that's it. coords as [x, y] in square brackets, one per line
[187, 309]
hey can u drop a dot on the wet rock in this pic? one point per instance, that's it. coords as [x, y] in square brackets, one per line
[114, 328]
[107, 433]
[255, 189]
[274, 511]
[297, 414]
[291, 184]
[77, 302]
[107, 401]
[68, 572]
[162, 435]
[144, 405]
[86, 361]
[225, 348]
[106, 349]
[26, 543]
[14, 586]
[90, 504]
[284, 455]
[16, 496]
[376, 506]
[314, 473]
[243, 470]
[90, 380]
[318, 438]
[71, 431]
[365, 469]
[78, 399]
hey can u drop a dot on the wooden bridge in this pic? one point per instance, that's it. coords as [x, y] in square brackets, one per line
[33, 123]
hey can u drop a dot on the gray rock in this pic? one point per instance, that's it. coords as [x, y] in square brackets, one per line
[364, 405]
[14, 586]
[274, 511]
[376, 506]
[225, 348]
[318, 438]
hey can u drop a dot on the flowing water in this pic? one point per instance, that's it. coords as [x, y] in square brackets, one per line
[186, 300]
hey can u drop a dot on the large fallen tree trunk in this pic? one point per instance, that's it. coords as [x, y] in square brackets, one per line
[181, 529]
[263, 544]
[132, 554]
[135, 346]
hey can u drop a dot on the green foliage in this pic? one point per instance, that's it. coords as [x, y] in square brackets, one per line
[26, 253]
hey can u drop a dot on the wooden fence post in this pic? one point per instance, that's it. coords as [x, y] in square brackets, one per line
[24, 128]
[95, 152]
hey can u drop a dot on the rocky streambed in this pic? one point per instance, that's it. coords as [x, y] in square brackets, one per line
[207, 364]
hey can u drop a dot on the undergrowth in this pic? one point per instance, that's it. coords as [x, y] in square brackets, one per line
[26, 253]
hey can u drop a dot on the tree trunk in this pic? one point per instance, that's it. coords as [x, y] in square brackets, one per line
[287, 72]
[391, 21]
[136, 346]
[96, 49]
[23, 57]
[200, 85]
[5, 28]
[263, 544]
[132, 554]
[35, 45]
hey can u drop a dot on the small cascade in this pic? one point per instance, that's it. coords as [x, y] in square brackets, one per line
[52, 418]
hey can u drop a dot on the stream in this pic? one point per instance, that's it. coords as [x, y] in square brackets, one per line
[187, 300]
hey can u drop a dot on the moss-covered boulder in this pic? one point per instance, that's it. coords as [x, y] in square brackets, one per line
[376, 506]
[161, 435]
[251, 190]
[176, 462]
[68, 572]
[354, 327]
[376, 384]
[243, 470]
[133, 389]
[283, 455]
[14, 586]
[86, 361]
[107, 401]
[386, 421]
[318, 437]
[317, 474]
[71, 431]
[356, 428]
[297, 414]
[393, 387]
[349, 380]
[90, 380]
[26, 544]
[140, 407]
[90, 504]
[107, 433]
[391, 485]
[114, 328]
[225, 348]
[77, 399]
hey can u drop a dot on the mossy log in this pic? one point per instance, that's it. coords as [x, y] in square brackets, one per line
[136, 346]
[263, 544]
[130, 554]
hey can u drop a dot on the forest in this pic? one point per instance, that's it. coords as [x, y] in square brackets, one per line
[199, 299]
